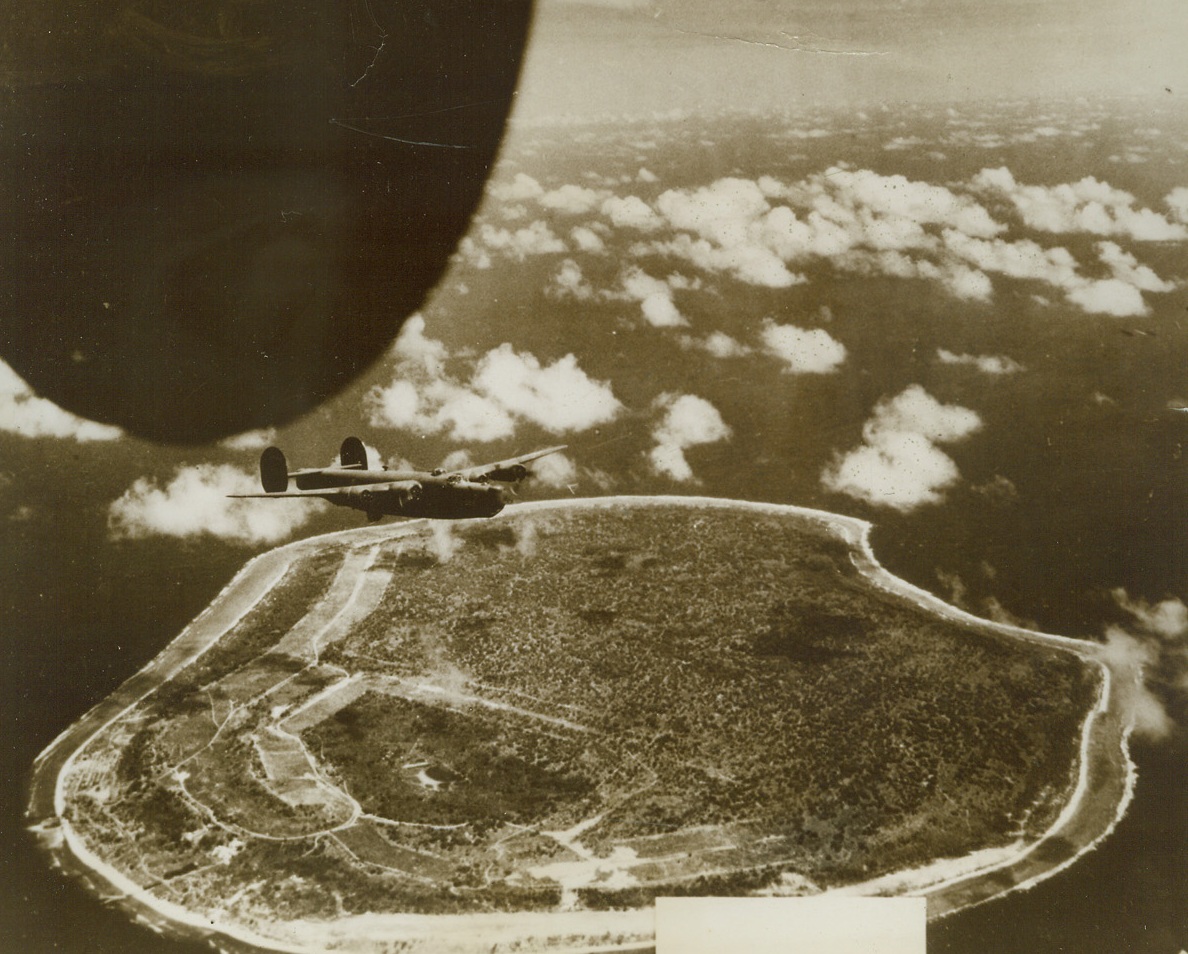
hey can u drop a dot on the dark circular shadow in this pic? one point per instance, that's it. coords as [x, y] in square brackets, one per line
[216, 214]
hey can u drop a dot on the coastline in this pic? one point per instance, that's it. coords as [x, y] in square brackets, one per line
[1104, 764]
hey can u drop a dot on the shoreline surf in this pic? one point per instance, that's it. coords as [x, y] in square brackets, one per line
[950, 885]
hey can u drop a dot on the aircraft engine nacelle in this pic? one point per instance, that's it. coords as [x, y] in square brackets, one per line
[512, 474]
[395, 491]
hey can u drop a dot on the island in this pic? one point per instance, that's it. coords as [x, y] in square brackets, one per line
[516, 733]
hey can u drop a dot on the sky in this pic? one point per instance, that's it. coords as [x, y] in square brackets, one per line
[635, 57]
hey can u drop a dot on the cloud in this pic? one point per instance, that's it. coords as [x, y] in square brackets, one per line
[555, 470]
[850, 209]
[572, 199]
[559, 397]
[1166, 620]
[1108, 296]
[1177, 201]
[569, 281]
[858, 219]
[719, 229]
[986, 363]
[687, 421]
[194, 503]
[655, 298]
[654, 295]
[1084, 206]
[521, 188]
[1025, 259]
[749, 262]
[251, 440]
[25, 413]
[587, 240]
[631, 212]
[505, 387]
[722, 212]
[899, 464]
[442, 542]
[1000, 491]
[717, 343]
[802, 351]
[1156, 639]
[427, 355]
[895, 198]
[436, 405]
[1126, 268]
[534, 239]
[761, 231]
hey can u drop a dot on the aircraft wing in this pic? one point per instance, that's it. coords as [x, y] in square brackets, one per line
[409, 487]
[511, 469]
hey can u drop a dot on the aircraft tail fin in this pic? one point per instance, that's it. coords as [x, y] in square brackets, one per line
[274, 471]
[353, 454]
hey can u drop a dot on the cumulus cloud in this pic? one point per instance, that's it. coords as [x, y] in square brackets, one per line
[899, 464]
[251, 440]
[572, 199]
[24, 412]
[1120, 295]
[654, 295]
[686, 421]
[555, 470]
[569, 281]
[717, 343]
[1156, 639]
[587, 240]
[1177, 201]
[722, 212]
[1126, 268]
[195, 503]
[858, 219]
[895, 198]
[1084, 206]
[1023, 259]
[504, 387]
[750, 262]
[655, 298]
[522, 187]
[720, 229]
[1166, 620]
[1108, 296]
[801, 350]
[762, 231]
[986, 363]
[534, 239]
[559, 397]
[631, 212]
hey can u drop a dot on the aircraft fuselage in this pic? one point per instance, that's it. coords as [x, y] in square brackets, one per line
[427, 495]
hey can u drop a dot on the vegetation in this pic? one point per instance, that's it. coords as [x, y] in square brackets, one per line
[715, 695]
[264, 625]
[732, 666]
[480, 771]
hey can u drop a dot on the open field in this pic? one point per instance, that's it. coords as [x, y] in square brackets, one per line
[575, 708]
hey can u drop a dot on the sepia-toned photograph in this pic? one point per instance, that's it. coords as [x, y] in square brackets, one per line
[506, 476]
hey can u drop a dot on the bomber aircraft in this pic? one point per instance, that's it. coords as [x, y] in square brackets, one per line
[442, 494]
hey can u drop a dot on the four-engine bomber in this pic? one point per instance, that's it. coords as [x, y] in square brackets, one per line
[442, 494]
